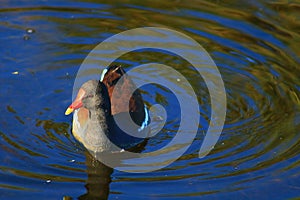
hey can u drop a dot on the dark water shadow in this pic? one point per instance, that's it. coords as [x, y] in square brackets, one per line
[98, 180]
[99, 176]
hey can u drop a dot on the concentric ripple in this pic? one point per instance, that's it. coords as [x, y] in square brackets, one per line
[256, 48]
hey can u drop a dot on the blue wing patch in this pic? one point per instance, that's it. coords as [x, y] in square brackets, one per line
[146, 121]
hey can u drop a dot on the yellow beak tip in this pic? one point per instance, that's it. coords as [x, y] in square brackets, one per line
[68, 111]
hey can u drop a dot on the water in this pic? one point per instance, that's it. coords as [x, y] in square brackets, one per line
[256, 48]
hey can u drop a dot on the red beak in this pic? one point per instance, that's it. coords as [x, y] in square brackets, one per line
[77, 103]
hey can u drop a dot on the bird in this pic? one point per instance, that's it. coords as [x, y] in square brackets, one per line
[94, 113]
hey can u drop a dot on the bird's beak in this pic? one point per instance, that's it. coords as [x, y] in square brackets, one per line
[69, 111]
[77, 103]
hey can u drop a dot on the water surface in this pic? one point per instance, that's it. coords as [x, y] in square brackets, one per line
[256, 48]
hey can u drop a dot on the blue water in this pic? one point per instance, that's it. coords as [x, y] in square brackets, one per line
[256, 48]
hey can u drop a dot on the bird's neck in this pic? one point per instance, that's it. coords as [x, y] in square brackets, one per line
[98, 130]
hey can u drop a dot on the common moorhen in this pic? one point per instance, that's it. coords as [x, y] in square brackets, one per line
[93, 122]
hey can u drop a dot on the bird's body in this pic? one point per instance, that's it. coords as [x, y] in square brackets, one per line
[93, 120]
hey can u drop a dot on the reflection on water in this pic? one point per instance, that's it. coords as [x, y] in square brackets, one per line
[256, 47]
[98, 179]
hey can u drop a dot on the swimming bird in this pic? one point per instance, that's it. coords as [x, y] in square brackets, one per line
[94, 124]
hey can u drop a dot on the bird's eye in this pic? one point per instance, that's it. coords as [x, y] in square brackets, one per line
[89, 96]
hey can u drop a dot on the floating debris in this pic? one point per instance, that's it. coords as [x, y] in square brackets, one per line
[30, 30]
[48, 181]
[15, 73]
[26, 37]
